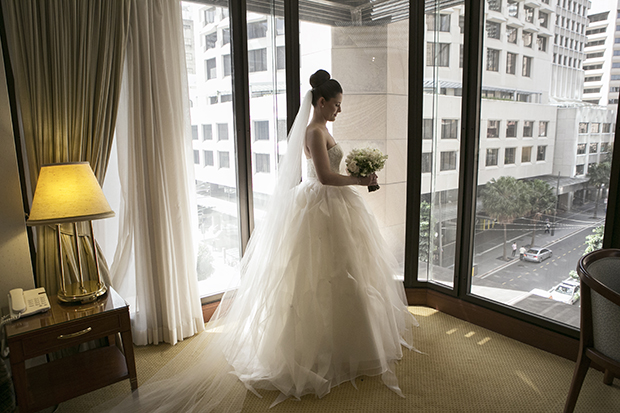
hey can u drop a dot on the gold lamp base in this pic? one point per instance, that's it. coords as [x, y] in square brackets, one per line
[82, 292]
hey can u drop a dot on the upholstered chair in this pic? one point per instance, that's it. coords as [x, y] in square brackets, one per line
[599, 272]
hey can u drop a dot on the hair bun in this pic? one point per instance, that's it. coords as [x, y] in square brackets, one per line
[319, 77]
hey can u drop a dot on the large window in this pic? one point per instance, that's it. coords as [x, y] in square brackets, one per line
[523, 139]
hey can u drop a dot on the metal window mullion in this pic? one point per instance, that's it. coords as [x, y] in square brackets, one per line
[241, 116]
[470, 133]
[414, 140]
[292, 60]
[611, 238]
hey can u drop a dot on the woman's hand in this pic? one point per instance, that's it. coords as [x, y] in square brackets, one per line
[368, 180]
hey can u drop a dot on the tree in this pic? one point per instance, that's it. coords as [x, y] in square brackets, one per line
[595, 241]
[599, 177]
[425, 225]
[504, 200]
[542, 201]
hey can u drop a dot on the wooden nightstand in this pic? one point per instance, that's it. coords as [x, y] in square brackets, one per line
[66, 325]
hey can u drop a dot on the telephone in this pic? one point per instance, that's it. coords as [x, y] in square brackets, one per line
[24, 303]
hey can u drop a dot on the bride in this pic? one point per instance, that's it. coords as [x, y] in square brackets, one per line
[318, 303]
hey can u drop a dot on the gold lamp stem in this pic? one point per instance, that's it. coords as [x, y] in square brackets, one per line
[96, 257]
[60, 260]
[79, 259]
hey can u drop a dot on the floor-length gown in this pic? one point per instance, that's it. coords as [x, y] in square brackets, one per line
[318, 305]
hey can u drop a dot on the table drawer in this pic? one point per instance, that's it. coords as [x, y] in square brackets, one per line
[76, 332]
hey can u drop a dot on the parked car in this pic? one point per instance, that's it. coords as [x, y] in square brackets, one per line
[537, 254]
[568, 291]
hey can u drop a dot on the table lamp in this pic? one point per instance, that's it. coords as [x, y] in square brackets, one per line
[69, 192]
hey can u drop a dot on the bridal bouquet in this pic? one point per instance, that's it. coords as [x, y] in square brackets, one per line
[365, 161]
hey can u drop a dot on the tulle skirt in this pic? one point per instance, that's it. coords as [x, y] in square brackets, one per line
[318, 305]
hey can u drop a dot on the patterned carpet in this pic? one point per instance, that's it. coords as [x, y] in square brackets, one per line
[464, 368]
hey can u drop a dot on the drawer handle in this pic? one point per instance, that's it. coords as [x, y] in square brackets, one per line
[79, 333]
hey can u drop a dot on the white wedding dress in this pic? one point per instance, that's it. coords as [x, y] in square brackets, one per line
[318, 305]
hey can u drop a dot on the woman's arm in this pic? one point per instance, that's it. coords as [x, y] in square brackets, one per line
[317, 145]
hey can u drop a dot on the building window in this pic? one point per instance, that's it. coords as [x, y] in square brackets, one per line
[225, 36]
[212, 100]
[492, 60]
[542, 43]
[606, 127]
[511, 128]
[593, 147]
[583, 127]
[592, 90]
[528, 37]
[527, 66]
[513, 8]
[427, 162]
[427, 129]
[438, 54]
[210, 40]
[595, 127]
[495, 5]
[208, 158]
[460, 56]
[529, 14]
[493, 30]
[509, 156]
[579, 170]
[194, 132]
[438, 23]
[227, 65]
[207, 133]
[280, 58]
[542, 128]
[581, 148]
[210, 69]
[541, 152]
[511, 34]
[261, 130]
[528, 128]
[257, 60]
[511, 63]
[526, 154]
[280, 27]
[461, 23]
[222, 131]
[196, 157]
[224, 159]
[493, 128]
[543, 19]
[593, 79]
[262, 161]
[604, 147]
[449, 128]
[257, 30]
[208, 16]
[226, 98]
[447, 161]
[492, 155]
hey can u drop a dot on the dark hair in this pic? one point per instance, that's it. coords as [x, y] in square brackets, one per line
[323, 86]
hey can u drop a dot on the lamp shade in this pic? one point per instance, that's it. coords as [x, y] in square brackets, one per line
[68, 192]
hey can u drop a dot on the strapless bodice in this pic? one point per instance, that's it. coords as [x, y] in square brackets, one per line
[335, 158]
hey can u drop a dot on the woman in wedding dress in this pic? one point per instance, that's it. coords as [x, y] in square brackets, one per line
[318, 303]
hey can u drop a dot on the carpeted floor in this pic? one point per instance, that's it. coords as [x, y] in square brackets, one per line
[465, 368]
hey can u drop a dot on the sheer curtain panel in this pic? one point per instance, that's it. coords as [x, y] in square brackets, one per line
[67, 59]
[154, 264]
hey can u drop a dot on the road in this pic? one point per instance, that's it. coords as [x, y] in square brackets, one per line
[511, 282]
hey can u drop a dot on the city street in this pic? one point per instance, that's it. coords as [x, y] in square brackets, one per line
[520, 283]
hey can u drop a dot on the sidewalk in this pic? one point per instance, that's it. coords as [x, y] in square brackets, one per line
[488, 244]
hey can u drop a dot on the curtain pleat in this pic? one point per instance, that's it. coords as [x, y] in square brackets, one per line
[67, 57]
[155, 265]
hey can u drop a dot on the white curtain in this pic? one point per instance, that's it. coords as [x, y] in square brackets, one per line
[154, 263]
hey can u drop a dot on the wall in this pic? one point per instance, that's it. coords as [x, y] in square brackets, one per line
[16, 268]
